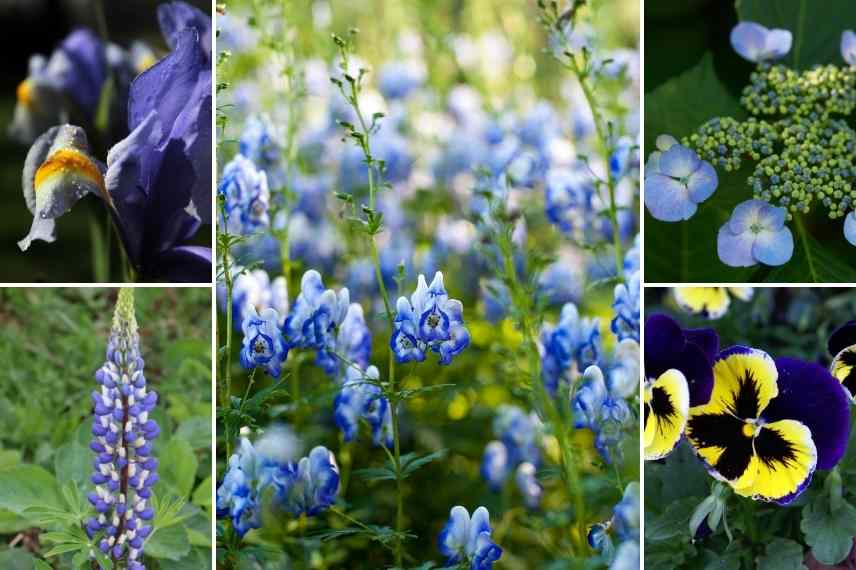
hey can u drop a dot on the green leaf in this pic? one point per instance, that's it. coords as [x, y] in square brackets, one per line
[197, 559]
[170, 543]
[375, 473]
[12, 523]
[821, 255]
[41, 565]
[16, 559]
[782, 554]
[202, 494]
[73, 462]
[816, 26]
[829, 533]
[411, 462]
[196, 431]
[178, 465]
[26, 486]
[672, 524]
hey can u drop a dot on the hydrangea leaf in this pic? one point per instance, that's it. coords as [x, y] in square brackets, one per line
[829, 532]
[816, 26]
[782, 554]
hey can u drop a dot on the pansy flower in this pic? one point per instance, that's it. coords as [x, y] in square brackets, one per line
[769, 424]
[710, 302]
[842, 346]
[678, 370]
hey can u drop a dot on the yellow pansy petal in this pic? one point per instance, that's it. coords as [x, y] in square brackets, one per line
[844, 369]
[709, 301]
[666, 407]
[744, 382]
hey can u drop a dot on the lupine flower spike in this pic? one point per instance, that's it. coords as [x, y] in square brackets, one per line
[125, 468]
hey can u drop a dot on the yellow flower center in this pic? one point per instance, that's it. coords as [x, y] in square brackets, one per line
[24, 93]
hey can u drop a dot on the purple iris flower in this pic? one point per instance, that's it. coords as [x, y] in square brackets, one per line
[691, 351]
[159, 177]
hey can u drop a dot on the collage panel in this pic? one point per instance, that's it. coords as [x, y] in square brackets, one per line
[106, 144]
[105, 428]
[428, 285]
[748, 427]
[749, 140]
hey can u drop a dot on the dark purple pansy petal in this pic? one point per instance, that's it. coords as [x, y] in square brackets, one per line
[185, 264]
[668, 346]
[85, 76]
[843, 337]
[174, 17]
[809, 394]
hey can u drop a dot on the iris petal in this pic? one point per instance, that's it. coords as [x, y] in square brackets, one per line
[666, 407]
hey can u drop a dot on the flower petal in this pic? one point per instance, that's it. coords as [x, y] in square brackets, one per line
[735, 250]
[850, 228]
[702, 183]
[667, 199]
[679, 161]
[666, 408]
[712, 302]
[749, 40]
[774, 248]
[848, 47]
[745, 381]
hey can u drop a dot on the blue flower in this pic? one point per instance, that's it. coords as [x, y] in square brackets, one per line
[466, 540]
[496, 298]
[238, 495]
[560, 282]
[599, 539]
[353, 343]
[626, 556]
[627, 514]
[125, 468]
[528, 485]
[316, 314]
[568, 203]
[387, 146]
[755, 233]
[572, 340]
[495, 466]
[848, 47]
[429, 320]
[247, 198]
[589, 398]
[603, 409]
[625, 324]
[850, 228]
[756, 43]
[255, 288]
[310, 486]
[619, 161]
[399, 79]
[259, 145]
[520, 432]
[263, 346]
[361, 398]
[676, 181]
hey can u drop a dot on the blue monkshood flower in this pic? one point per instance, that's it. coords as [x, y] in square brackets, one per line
[361, 398]
[521, 434]
[58, 172]
[568, 203]
[624, 375]
[528, 485]
[755, 233]
[496, 298]
[159, 177]
[466, 540]
[601, 410]
[255, 288]
[316, 314]
[311, 195]
[125, 469]
[627, 556]
[264, 346]
[246, 195]
[850, 228]
[756, 43]
[625, 324]
[848, 47]
[238, 496]
[526, 167]
[495, 467]
[600, 540]
[627, 514]
[387, 146]
[676, 181]
[316, 244]
[572, 340]
[353, 343]
[560, 282]
[398, 79]
[259, 144]
[430, 320]
[61, 88]
[619, 161]
[309, 486]
[539, 126]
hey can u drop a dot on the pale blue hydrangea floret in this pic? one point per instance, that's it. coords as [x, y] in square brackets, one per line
[429, 320]
[361, 398]
[466, 540]
[676, 181]
[755, 233]
[568, 203]
[625, 324]
[245, 189]
[264, 346]
[124, 469]
[850, 228]
[756, 43]
[316, 314]
[353, 342]
[574, 339]
[848, 47]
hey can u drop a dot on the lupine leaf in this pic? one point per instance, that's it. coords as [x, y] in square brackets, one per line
[26, 486]
[171, 543]
[411, 463]
[178, 465]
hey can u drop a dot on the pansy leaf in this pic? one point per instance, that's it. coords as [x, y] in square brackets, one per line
[782, 554]
[829, 532]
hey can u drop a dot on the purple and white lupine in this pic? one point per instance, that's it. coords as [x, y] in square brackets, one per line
[125, 469]
[429, 320]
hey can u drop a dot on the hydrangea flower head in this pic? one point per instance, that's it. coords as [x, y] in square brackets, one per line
[755, 233]
[429, 320]
[316, 313]
[466, 540]
[125, 468]
[263, 346]
[676, 181]
[848, 47]
[245, 190]
[756, 43]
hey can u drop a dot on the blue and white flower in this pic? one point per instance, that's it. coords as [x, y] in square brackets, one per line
[353, 342]
[568, 203]
[466, 540]
[361, 398]
[316, 314]
[246, 194]
[574, 340]
[264, 346]
[528, 485]
[309, 486]
[238, 496]
[850, 228]
[625, 324]
[848, 47]
[495, 467]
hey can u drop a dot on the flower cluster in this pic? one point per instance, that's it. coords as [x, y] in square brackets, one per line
[123, 432]
[624, 527]
[467, 541]
[517, 449]
[573, 340]
[429, 320]
[246, 197]
[361, 398]
[760, 425]
[799, 137]
[308, 486]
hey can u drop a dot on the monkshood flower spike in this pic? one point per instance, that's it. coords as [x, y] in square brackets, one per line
[466, 540]
[125, 469]
[429, 320]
